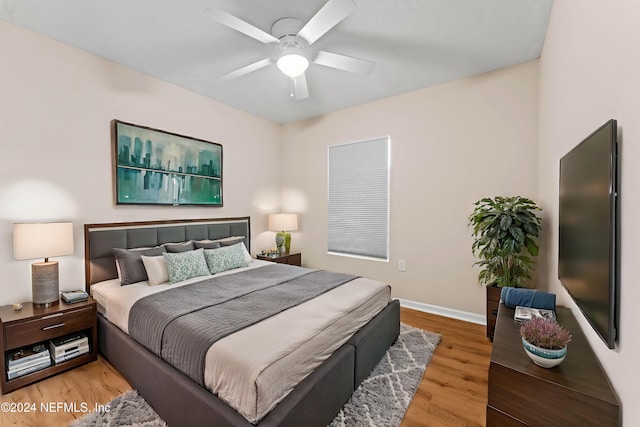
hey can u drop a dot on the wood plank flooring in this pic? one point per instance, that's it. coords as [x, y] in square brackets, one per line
[42, 404]
[453, 391]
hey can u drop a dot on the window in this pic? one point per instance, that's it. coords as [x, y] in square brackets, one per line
[359, 199]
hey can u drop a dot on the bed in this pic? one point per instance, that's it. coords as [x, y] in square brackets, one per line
[355, 337]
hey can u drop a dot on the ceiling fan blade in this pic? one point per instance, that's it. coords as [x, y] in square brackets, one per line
[247, 69]
[326, 18]
[345, 63]
[300, 88]
[238, 24]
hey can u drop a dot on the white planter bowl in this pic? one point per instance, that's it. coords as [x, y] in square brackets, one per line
[544, 357]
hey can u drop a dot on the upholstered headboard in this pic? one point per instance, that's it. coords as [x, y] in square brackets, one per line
[100, 239]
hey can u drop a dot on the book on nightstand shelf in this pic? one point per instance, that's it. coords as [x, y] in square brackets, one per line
[26, 360]
[69, 346]
[75, 296]
[24, 355]
[71, 353]
[31, 367]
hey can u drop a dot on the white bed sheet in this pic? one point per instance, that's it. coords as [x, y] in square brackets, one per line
[255, 368]
[115, 301]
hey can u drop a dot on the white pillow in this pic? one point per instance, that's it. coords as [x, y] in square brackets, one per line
[157, 270]
[247, 255]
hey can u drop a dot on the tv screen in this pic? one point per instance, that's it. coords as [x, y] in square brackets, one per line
[588, 229]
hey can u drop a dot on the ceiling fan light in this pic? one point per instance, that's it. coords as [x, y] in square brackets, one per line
[293, 65]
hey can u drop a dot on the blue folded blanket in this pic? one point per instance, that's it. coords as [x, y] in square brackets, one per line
[528, 298]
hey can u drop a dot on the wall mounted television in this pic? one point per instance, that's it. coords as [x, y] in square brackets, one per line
[589, 227]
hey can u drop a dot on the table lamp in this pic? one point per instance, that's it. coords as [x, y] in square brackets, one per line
[283, 223]
[43, 240]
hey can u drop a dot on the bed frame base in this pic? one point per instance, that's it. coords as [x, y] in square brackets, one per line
[314, 402]
[374, 339]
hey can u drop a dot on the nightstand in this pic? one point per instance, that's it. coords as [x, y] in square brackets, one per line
[34, 325]
[285, 258]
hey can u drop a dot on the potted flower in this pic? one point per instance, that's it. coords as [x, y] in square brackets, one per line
[545, 341]
[505, 231]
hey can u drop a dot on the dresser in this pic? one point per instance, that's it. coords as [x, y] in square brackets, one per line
[575, 393]
[493, 300]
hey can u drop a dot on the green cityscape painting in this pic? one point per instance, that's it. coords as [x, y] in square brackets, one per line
[163, 168]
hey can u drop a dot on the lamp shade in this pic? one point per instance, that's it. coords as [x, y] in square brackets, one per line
[292, 64]
[42, 240]
[283, 222]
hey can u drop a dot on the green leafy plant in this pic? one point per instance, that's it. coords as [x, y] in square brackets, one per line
[505, 231]
[545, 333]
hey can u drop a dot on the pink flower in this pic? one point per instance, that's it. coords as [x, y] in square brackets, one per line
[545, 333]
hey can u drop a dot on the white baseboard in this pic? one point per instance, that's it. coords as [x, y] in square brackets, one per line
[444, 311]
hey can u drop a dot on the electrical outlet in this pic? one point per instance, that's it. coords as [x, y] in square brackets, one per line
[402, 265]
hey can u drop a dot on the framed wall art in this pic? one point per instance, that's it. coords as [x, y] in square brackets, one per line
[155, 167]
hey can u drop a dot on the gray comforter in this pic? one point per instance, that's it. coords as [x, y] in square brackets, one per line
[180, 324]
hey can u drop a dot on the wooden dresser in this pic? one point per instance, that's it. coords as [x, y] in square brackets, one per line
[575, 393]
[493, 300]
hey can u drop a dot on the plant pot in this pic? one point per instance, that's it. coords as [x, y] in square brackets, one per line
[543, 356]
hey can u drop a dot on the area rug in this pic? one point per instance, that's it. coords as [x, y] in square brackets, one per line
[381, 400]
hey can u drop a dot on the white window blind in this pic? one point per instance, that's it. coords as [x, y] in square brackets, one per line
[359, 199]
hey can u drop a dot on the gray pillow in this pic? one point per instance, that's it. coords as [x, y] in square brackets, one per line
[230, 241]
[179, 247]
[206, 244]
[130, 264]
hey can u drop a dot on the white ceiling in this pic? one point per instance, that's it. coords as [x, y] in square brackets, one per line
[414, 43]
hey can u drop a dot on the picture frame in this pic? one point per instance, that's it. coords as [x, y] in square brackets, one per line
[156, 167]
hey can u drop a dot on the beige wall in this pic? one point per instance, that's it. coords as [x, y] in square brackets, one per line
[450, 146]
[589, 74]
[56, 104]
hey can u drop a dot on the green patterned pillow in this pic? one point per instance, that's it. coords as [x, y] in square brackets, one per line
[185, 265]
[225, 258]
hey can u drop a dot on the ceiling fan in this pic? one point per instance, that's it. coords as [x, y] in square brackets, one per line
[291, 41]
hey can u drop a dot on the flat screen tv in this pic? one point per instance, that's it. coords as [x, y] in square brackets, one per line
[588, 254]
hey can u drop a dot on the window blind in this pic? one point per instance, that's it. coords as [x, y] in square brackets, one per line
[359, 199]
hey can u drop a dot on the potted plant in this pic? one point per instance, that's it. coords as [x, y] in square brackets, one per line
[545, 341]
[505, 231]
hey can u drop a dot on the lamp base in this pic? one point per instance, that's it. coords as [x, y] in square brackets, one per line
[46, 304]
[44, 284]
[283, 242]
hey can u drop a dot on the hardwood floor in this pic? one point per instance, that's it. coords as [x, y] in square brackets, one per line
[42, 404]
[453, 391]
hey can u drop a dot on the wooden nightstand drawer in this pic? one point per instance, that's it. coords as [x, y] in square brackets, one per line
[48, 326]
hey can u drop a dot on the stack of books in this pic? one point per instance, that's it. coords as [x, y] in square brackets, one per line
[69, 346]
[74, 296]
[27, 360]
